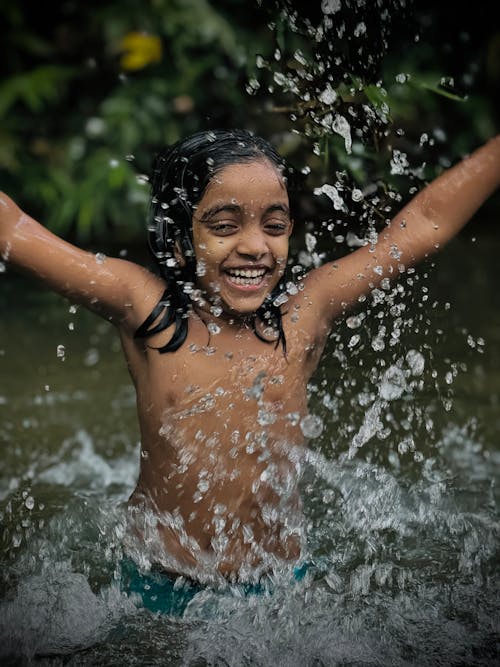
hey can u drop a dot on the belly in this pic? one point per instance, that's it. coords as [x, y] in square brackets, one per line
[218, 480]
[214, 510]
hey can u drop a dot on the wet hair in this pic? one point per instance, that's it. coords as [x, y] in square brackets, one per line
[181, 174]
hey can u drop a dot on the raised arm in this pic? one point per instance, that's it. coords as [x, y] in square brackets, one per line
[115, 289]
[421, 228]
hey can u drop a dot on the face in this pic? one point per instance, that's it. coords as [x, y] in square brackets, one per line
[241, 229]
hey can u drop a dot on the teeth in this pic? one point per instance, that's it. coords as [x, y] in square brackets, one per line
[247, 273]
[239, 280]
[246, 276]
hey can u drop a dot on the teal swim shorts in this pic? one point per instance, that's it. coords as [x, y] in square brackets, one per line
[165, 593]
[158, 591]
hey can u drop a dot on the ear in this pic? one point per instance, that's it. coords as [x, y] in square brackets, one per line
[179, 256]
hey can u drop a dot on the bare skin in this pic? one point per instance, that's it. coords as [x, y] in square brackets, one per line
[219, 418]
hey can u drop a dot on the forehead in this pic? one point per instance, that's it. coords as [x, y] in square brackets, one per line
[247, 183]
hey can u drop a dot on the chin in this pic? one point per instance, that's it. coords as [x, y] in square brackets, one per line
[242, 310]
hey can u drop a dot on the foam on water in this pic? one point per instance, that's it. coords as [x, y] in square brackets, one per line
[86, 466]
[56, 612]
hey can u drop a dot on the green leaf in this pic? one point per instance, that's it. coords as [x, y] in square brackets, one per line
[437, 89]
[36, 88]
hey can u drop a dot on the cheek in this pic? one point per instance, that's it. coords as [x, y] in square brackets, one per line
[209, 255]
[281, 254]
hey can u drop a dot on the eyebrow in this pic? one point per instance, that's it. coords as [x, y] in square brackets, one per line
[235, 208]
[218, 208]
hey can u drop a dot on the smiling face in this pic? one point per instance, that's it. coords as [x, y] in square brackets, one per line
[241, 228]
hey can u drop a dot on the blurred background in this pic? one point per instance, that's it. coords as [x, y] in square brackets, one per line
[89, 91]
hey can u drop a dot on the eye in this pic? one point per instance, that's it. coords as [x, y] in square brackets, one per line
[224, 227]
[276, 226]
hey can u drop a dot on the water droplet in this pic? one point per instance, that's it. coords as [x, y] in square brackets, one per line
[341, 126]
[393, 384]
[280, 78]
[201, 268]
[353, 341]
[213, 328]
[399, 162]
[253, 86]
[311, 426]
[61, 352]
[353, 241]
[92, 357]
[330, 6]
[415, 361]
[30, 502]
[360, 29]
[331, 192]
[355, 321]
[265, 418]
[100, 257]
[216, 310]
[280, 300]
[311, 241]
[203, 485]
[328, 96]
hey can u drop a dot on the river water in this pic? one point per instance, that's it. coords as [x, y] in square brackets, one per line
[400, 491]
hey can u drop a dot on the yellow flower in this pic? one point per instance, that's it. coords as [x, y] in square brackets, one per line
[139, 49]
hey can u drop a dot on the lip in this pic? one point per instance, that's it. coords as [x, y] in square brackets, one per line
[247, 267]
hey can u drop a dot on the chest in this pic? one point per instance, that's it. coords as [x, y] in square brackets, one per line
[230, 369]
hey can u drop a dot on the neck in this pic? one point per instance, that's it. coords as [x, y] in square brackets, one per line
[209, 313]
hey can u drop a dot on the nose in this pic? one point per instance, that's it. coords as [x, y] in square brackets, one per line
[252, 243]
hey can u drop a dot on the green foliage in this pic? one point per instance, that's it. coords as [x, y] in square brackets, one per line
[35, 89]
[71, 113]
[79, 126]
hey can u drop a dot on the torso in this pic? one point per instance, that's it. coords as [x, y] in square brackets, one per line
[221, 448]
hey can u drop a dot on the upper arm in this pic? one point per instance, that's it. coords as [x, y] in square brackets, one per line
[334, 288]
[116, 289]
